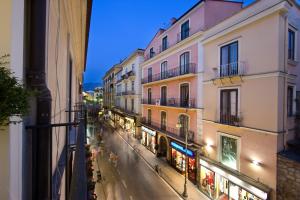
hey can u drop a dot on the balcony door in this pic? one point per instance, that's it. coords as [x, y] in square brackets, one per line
[229, 106]
[163, 97]
[163, 120]
[185, 30]
[163, 70]
[125, 104]
[184, 63]
[229, 59]
[149, 74]
[149, 95]
[184, 121]
[149, 116]
[184, 95]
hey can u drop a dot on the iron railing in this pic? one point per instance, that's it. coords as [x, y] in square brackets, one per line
[172, 102]
[228, 119]
[189, 68]
[230, 70]
[128, 92]
[170, 131]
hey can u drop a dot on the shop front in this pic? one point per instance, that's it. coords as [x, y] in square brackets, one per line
[130, 126]
[178, 159]
[119, 120]
[149, 138]
[219, 184]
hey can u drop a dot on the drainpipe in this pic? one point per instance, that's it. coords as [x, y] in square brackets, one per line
[36, 13]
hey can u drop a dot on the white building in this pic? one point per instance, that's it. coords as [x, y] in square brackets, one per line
[128, 91]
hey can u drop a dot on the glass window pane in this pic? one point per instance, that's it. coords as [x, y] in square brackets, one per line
[229, 152]
[233, 103]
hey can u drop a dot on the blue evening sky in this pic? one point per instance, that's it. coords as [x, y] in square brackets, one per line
[118, 27]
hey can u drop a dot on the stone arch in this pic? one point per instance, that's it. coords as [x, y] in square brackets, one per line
[163, 146]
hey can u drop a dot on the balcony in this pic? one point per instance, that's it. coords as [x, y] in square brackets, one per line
[232, 120]
[230, 70]
[172, 102]
[171, 73]
[169, 131]
[119, 94]
[128, 92]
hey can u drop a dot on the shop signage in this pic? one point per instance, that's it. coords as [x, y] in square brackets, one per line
[182, 149]
[254, 190]
[147, 130]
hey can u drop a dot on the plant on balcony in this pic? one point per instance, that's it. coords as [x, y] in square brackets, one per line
[14, 96]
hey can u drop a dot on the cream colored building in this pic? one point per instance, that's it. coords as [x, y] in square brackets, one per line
[47, 43]
[251, 77]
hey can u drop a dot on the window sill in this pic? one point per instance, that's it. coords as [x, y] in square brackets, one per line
[293, 62]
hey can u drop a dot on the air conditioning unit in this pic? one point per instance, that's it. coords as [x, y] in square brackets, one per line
[157, 102]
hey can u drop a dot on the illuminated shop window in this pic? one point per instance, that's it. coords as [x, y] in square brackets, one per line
[229, 151]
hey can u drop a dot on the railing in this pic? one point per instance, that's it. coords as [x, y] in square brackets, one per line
[131, 73]
[170, 131]
[172, 102]
[128, 92]
[230, 70]
[190, 32]
[119, 94]
[228, 119]
[189, 68]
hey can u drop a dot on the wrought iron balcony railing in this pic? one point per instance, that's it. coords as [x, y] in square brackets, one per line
[172, 102]
[230, 70]
[170, 131]
[189, 68]
[228, 119]
[128, 92]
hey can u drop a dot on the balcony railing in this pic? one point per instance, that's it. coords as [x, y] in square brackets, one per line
[170, 131]
[172, 102]
[128, 92]
[119, 93]
[228, 119]
[189, 68]
[230, 70]
[189, 33]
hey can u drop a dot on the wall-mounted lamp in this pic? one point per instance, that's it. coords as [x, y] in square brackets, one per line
[255, 162]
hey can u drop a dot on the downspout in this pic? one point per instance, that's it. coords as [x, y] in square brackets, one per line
[36, 80]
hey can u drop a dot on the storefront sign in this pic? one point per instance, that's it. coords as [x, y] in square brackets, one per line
[182, 149]
[254, 190]
[147, 130]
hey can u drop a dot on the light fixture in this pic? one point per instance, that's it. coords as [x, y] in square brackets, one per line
[255, 162]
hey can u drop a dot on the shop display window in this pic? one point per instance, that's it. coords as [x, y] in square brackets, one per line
[178, 160]
[229, 151]
[192, 169]
[207, 181]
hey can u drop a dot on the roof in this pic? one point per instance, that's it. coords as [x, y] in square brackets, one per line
[137, 51]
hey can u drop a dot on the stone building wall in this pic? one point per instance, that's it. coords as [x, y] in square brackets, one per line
[288, 176]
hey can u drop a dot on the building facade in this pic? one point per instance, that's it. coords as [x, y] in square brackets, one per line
[172, 76]
[47, 43]
[128, 93]
[251, 78]
[109, 85]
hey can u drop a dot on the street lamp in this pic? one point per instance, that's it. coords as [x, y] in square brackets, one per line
[179, 125]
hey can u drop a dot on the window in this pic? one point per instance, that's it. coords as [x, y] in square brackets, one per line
[125, 104]
[164, 70]
[185, 30]
[291, 44]
[126, 87]
[229, 107]
[132, 105]
[133, 67]
[163, 120]
[150, 74]
[164, 43]
[184, 121]
[149, 95]
[132, 85]
[298, 103]
[229, 60]
[184, 63]
[149, 116]
[290, 100]
[229, 151]
[184, 95]
[152, 53]
[163, 96]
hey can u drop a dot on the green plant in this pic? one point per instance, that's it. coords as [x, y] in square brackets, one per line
[13, 95]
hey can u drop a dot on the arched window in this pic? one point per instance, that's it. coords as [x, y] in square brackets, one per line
[184, 95]
[164, 70]
[163, 120]
[163, 96]
[184, 63]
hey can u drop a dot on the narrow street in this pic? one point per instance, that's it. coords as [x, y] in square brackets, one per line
[131, 178]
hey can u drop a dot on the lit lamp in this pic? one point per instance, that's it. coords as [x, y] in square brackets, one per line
[184, 194]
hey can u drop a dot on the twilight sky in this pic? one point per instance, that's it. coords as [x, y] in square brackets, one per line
[118, 27]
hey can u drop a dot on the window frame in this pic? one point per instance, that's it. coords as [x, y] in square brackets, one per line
[294, 32]
[290, 101]
[181, 30]
[164, 43]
